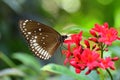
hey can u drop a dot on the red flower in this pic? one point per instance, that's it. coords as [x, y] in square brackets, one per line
[106, 35]
[99, 28]
[90, 58]
[107, 63]
[76, 38]
[77, 51]
[77, 64]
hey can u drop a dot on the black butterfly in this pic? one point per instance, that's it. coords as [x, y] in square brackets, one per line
[42, 39]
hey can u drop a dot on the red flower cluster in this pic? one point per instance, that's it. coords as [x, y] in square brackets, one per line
[106, 35]
[82, 57]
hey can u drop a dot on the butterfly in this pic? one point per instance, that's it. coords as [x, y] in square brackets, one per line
[42, 39]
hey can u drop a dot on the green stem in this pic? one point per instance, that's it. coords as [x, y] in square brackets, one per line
[102, 46]
[7, 60]
[102, 49]
[109, 74]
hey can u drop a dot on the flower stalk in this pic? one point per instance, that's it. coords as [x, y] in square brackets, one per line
[102, 49]
[109, 74]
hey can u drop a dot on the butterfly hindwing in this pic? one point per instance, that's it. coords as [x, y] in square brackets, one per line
[42, 39]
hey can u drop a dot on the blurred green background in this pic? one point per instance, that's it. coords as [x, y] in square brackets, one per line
[66, 16]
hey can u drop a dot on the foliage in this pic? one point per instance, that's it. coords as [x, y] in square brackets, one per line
[29, 69]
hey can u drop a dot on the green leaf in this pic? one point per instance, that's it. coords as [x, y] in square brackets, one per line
[11, 71]
[64, 71]
[27, 59]
[7, 60]
[92, 76]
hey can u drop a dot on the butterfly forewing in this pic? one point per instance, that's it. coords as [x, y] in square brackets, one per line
[42, 39]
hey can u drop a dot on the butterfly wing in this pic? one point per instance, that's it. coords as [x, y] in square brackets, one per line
[42, 39]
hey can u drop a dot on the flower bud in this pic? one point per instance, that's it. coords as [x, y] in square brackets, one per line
[87, 43]
[94, 46]
[97, 49]
[77, 70]
[106, 49]
[115, 59]
[93, 39]
[92, 32]
[88, 72]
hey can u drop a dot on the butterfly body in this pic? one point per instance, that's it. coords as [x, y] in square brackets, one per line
[42, 39]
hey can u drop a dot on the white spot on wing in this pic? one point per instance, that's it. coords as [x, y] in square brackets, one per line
[35, 44]
[46, 53]
[43, 52]
[43, 37]
[34, 41]
[40, 29]
[23, 26]
[36, 47]
[26, 21]
[40, 50]
[29, 32]
[26, 35]
[40, 33]
[33, 50]
[36, 37]
[40, 56]
[37, 54]
[25, 29]
[46, 35]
